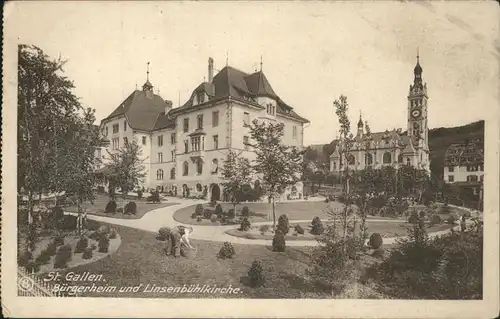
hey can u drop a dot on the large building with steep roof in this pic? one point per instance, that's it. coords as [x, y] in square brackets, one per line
[390, 148]
[184, 148]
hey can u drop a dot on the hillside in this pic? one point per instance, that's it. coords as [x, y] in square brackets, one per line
[439, 140]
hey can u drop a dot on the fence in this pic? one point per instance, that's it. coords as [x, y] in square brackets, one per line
[30, 285]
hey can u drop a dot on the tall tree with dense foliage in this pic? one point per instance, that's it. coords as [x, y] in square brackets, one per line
[51, 127]
[236, 172]
[278, 165]
[126, 168]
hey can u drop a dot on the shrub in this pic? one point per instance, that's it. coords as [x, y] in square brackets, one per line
[264, 228]
[198, 219]
[283, 224]
[110, 207]
[279, 241]
[299, 229]
[198, 210]
[103, 230]
[139, 193]
[87, 253]
[112, 233]
[57, 212]
[231, 214]
[164, 233]
[317, 226]
[245, 224]
[413, 219]
[375, 241]
[422, 214]
[218, 209]
[435, 220]
[82, 243]
[451, 219]
[245, 212]
[226, 251]
[63, 256]
[58, 240]
[44, 257]
[103, 244]
[131, 208]
[25, 258]
[51, 248]
[255, 274]
[68, 222]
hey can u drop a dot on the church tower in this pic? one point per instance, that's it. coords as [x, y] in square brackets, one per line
[417, 114]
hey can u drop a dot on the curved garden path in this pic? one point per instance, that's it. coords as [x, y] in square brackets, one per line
[161, 217]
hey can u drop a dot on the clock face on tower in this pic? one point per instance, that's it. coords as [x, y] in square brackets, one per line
[415, 113]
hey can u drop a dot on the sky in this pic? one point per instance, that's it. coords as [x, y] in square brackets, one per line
[312, 52]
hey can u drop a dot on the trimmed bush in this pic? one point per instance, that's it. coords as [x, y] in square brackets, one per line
[226, 251]
[103, 244]
[130, 208]
[213, 218]
[218, 209]
[231, 214]
[44, 257]
[87, 253]
[198, 210]
[57, 212]
[164, 233]
[435, 220]
[245, 224]
[255, 274]
[413, 219]
[279, 241]
[25, 258]
[245, 212]
[112, 233]
[264, 228]
[422, 214]
[110, 207]
[299, 229]
[63, 256]
[139, 193]
[82, 243]
[451, 219]
[51, 248]
[317, 226]
[375, 241]
[283, 224]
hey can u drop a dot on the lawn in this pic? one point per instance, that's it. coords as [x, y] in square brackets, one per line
[386, 229]
[259, 211]
[140, 260]
[100, 202]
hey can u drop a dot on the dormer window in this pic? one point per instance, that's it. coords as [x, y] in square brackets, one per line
[200, 97]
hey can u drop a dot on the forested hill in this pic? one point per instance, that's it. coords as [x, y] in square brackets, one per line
[439, 140]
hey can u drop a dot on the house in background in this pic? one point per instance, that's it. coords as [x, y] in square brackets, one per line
[184, 148]
[464, 162]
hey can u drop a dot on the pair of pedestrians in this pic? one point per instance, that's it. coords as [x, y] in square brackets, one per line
[178, 242]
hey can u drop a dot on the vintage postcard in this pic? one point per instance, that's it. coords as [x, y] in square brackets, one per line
[251, 159]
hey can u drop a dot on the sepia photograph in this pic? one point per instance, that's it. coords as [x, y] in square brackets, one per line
[270, 157]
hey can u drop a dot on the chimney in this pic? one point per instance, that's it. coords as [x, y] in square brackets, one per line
[168, 106]
[210, 70]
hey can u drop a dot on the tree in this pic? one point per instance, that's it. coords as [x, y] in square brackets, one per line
[49, 116]
[236, 173]
[126, 168]
[277, 164]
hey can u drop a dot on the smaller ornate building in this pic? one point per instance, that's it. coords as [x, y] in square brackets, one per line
[464, 162]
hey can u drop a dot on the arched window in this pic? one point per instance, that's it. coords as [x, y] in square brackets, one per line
[198, 187]
[334, 166]
[400, 158]
[408, 161]
[351, 160]
[199, 167]
[172, 173]
[368, 159]
[159, 174]
[215, 166]
[387, 159]
[185, 169]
